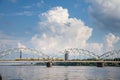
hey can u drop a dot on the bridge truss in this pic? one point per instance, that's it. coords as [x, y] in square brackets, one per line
[21, 53]
[73, 54]
[82, 54]
[110, 55]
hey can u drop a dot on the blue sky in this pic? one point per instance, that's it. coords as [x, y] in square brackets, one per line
[53, 25]
[15, 17]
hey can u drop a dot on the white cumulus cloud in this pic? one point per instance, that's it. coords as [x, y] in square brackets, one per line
[20, 45]
[110, 41]
[59, 32]
[95, 47]
[57, 14]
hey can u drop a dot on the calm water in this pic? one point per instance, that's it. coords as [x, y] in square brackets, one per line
[59, 73]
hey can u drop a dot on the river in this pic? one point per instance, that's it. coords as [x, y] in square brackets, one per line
[59, 73]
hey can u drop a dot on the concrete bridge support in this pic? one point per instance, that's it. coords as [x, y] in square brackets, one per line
[49, 64]
[20, 54]
[100, 64]
[0, 77]
[66, 55]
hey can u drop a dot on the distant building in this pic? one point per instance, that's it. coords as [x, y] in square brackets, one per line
[66, 55]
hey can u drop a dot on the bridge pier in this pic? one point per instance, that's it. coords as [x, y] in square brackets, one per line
[66, 55]
[0, 77]
[100, 64]
[20, 55]
[49, 64]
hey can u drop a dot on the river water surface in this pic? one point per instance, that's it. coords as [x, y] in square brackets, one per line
[59, 73]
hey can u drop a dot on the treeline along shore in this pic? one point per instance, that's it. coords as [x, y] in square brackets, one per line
[79, 64]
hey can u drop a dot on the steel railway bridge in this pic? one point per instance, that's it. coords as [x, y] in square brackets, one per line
[72, 55]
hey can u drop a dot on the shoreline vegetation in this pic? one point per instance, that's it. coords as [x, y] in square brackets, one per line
[79, 64]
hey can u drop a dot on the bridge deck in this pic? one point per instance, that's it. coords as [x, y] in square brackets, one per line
[62, 61]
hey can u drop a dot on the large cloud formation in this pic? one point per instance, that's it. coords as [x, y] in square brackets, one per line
[110, 41]
[59, 31]
[106, 12]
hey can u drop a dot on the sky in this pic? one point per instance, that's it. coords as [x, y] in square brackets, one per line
[55, 25]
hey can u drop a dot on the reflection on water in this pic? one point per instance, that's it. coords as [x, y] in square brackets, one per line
[59, 73]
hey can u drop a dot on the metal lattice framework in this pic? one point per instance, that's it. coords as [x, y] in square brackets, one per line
[81, 53]
[74, 53]
[23, 50]
[111, 54]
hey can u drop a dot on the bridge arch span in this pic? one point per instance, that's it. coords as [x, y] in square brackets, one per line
[111, 54]
[81, 53]
[14, 51]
